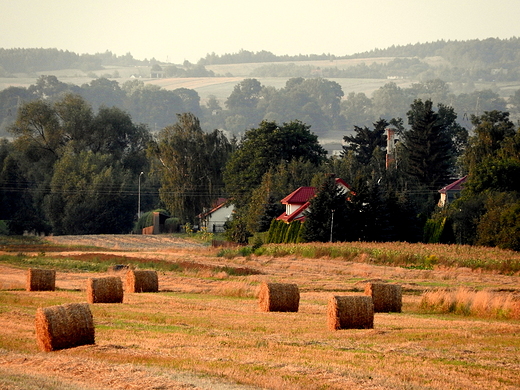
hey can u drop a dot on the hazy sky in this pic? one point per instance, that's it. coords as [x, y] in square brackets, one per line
[178, 30]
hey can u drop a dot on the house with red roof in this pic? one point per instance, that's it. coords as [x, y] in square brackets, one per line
[451, 191]
[215, 218]
[298, 201]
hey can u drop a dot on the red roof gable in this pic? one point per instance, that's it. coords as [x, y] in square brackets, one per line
[295, 216]
[455, 186]
[301, 197]
[219, 203]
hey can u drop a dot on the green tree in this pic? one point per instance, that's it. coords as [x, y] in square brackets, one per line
[190, 164]
[48, 87]
[45, 132]
[245, 95]
[90, 194]
[366, 141]
[390, 101]
[190, 100]
[492, 130]
[487, 212]
[38, 126]
[152, 104]
[500, 224]
[16, 199]
[357, 110]
[103, 92]
[429, 152]
[326, 218]
[76, 121]
[264, 148]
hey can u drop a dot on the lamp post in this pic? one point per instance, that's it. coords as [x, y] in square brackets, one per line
[139, 197]
[331, 225]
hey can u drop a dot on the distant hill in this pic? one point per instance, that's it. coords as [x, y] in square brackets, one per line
[487, 52]
[37, 60]
[490, 59]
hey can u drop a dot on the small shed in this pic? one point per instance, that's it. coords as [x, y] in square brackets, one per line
[157, 227]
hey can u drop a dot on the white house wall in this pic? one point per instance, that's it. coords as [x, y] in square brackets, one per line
[217, 219]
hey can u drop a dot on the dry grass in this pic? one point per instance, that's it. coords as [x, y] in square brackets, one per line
[208, 326]
[418, 256]
[485, 303]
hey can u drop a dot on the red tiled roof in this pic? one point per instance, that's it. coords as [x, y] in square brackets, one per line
[299, 196]
[455, 186]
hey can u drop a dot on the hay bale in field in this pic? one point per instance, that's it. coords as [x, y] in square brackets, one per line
[279, 297]
[105, 290]
[41, 279]
[64, 326]
[138, 281]
[350, 312]
[386, 297]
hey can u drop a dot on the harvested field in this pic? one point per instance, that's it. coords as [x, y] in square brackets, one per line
[204, 329]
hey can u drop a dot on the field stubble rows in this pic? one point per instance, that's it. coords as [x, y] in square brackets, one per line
[204, 330]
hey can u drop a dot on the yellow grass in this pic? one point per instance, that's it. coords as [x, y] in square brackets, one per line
[205, 330]
[465, 301]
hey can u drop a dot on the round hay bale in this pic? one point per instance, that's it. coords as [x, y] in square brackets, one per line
[279, 297]
[350, 312]
[138, 281]
[387, 298]
[41, 279]
[64, 326]
[105, 290]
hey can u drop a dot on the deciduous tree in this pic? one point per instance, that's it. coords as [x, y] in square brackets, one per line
[190, 164]
[264, 148]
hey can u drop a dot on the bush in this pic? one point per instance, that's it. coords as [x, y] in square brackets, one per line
[147, 220]
[236, 231]
[4, 230]
[172, 225]
[284, 233]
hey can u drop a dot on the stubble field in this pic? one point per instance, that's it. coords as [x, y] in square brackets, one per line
[204, 329]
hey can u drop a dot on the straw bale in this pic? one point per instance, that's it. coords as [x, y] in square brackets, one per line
[279, 297]
[41, 279]
[105, 290]
[350, 312]
[64, 326]
[386, 297]
[138, 281]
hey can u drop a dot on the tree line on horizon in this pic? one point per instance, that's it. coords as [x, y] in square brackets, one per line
[487, 59]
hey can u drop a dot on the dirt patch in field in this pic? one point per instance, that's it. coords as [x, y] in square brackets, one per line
[125, 242]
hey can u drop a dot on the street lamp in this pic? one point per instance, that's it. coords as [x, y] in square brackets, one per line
[139, 197]
[331, 225]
